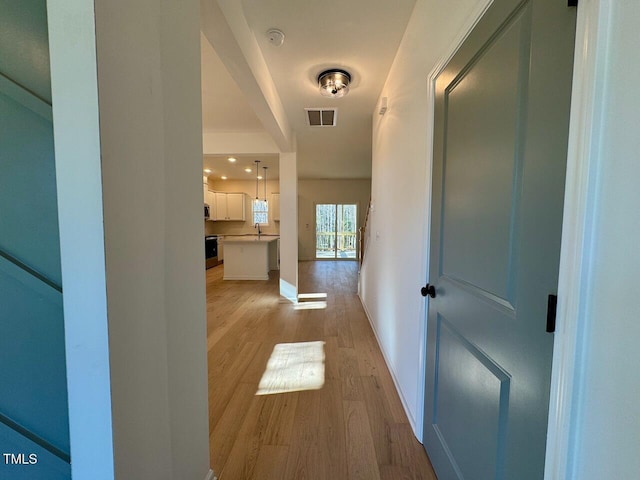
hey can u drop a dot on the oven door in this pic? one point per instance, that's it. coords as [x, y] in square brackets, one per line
[211, 250]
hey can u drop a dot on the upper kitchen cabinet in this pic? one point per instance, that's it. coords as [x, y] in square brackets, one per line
[210, 199]
[229, 206]
[275, 207]
[205, 188]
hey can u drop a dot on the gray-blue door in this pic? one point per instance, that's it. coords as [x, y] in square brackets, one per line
[501, 129]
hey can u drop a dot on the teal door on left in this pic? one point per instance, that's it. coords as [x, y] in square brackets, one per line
[34, 424]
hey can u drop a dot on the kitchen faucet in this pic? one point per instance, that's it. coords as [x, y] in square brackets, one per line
[257, 225]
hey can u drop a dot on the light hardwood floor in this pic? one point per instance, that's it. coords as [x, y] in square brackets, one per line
[352, 428]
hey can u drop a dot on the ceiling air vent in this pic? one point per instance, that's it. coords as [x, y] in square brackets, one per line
[321, 117]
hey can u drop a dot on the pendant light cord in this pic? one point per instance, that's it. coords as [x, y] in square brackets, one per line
[257, 166]
[265, 183]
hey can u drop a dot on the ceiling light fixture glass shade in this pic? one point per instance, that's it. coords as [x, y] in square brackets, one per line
[334, 83]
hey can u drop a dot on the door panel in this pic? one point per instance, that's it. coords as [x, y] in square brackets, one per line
[500, 136]
[481, 165]
[473, 394]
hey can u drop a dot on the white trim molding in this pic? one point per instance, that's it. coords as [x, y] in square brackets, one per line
[592, 33]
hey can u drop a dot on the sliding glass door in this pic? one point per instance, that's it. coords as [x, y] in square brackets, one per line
[336, 231]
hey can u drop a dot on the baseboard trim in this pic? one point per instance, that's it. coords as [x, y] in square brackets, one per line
[407, 412]
[245, 277]
[210, 475]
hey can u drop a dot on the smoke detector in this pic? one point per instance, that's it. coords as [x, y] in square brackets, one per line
[275, 36]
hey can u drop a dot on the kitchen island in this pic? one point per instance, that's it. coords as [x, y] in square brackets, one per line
[246, 257]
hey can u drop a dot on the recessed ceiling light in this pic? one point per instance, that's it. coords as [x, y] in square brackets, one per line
[206, 170]
[232, 160]
[248, 170]
[259, 177]
[223, 177]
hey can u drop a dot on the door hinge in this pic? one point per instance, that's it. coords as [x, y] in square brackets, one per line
[552, 303]
[572, 3]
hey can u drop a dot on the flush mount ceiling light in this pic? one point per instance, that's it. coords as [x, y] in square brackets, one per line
[334, 83]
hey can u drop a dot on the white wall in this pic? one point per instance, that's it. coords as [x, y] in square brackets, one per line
[606, 428]
[185, 291]
[395, 263]
[289, 226]
[311, 192]
[216, 143]
[151, 146]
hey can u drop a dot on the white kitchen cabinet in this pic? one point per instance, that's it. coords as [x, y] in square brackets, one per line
[229, 206]
[235, 206]
[275, 207]
[210, 199]
[205, 188]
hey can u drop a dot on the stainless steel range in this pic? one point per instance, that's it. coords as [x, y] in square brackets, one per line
[211, 250]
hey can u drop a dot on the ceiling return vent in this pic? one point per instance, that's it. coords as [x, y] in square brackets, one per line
[321, 117]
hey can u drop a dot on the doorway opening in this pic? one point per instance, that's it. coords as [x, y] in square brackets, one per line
[336, 231]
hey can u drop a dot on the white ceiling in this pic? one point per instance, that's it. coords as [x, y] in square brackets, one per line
[224, 107]
[360, 36]
[220, 166]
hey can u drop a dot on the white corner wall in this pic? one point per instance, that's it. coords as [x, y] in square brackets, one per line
[289, 226]
[606, 427]
[395, 261]
[148, 64]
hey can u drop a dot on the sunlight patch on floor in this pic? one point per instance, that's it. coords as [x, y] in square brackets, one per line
[310, 305]
[311, 301]
[293, 367]
[305, 296]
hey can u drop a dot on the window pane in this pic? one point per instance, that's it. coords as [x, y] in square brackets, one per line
[260, 212]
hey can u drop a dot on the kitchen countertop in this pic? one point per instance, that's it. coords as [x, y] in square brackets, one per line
[250, 238]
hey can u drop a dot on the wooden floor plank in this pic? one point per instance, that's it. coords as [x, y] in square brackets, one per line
[379, 416]
[226, 383]
[350, 374]
[408, 453]
[362, 461]
[354, 427]
[225, 432]
[271, 462]
[279, 429]
[244, 454]
[394, 472]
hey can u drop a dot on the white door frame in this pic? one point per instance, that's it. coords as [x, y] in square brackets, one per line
[592, 31]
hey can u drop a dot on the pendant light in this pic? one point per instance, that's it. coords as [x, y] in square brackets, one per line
[264, 177]
[257, 179]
